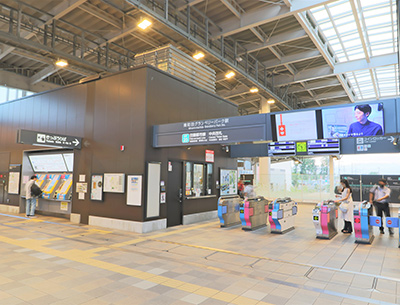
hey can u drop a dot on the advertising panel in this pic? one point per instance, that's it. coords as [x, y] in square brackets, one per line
[295, 126]
[229, 182]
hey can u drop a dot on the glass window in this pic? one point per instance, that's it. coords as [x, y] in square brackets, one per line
[198, 180]
[188, 178]
[209, 179]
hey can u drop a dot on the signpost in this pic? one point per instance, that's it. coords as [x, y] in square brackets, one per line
[230, 130]
[48, 139]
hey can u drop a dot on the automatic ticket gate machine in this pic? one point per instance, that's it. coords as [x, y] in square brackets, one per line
[394, 222]
[228, 210]
[363, 223]
[325, 218]
[281, 215]
[254, 213]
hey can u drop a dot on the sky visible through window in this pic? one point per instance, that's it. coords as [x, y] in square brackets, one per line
[343, 24]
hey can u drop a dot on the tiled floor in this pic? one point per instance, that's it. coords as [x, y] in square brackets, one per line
[51, 261]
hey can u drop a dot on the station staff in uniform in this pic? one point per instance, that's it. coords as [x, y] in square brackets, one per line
[379, 196]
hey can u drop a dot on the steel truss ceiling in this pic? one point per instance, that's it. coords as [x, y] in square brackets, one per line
[301, 53]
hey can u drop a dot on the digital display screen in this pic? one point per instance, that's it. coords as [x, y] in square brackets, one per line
[324, 147]
[50, 163]
[69, 161]
[353, 121]
[281, 149]
[316, 218]
[301, 125]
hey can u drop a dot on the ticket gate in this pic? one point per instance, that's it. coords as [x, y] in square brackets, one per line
[394, 222]
[281, 215]
[363, 223]
[254, 213]
[325, 218]
[228, 210]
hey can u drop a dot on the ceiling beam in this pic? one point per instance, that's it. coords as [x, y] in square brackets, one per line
[325, 96]
[57, 12]
[22, 82]
[276, 40]
[234, 7]
[314, 86]
[186, 3]
[265, 15]
[102, 15]
[291, 59]
[41, 75]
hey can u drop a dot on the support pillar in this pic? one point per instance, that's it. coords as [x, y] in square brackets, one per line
[264, 183]
[331, 176]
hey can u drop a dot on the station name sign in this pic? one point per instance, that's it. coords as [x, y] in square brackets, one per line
[48, 139]
[212, 131]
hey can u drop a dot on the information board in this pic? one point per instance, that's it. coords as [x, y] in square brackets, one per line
[47, 163]
[228, 182]
[134, 190]
[114, 183]
[96, 187]
[281, 149]
[324, 147]
[48, 139]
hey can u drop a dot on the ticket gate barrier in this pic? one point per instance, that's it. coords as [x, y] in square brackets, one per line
[325, 218]
[363, 223]
[394, 222]
[228, 210]
[281, 215]
[254, 213]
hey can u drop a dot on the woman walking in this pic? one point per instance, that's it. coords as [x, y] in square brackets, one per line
[346, 206]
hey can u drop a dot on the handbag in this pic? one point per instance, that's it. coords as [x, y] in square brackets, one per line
[344, 206]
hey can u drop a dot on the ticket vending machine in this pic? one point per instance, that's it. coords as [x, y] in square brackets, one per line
[228, 210]
[281, 215]
[325, 218]
[364, 223]
[394, 222]
[254, 213]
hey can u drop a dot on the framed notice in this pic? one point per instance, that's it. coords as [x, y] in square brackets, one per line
[229, 182]
[134, 190]
[114, 183]
[13, 183]
[96, 187]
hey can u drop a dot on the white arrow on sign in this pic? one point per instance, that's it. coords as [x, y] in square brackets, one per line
[391, 139]
[76, 142]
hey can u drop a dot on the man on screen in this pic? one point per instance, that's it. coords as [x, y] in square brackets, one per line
[363, 127]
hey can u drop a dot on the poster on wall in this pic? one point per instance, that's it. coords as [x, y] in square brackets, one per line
[353, 121]
[96, 188]
[228, 182]
[134, 190]
[13, 183]
[114, 183]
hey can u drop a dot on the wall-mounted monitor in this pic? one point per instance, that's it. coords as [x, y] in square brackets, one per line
[293, 126]
[69, 161]
[47, 163]
[360, 120]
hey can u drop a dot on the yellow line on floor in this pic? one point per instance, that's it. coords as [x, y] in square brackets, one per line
[86, 257]
[144, 238]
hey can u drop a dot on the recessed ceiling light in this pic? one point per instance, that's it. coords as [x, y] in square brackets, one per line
[144, 24]
[198, 55]
[230, 74]
[61, 63]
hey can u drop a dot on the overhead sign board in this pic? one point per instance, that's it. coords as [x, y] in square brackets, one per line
[48, 139]
[230, 130]
[369, 145]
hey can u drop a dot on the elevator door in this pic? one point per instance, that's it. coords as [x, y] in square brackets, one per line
[174, 194]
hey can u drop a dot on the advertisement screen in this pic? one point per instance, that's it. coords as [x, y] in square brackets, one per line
[353, 121]
[296, 126]
[229, 182]
[48, 163]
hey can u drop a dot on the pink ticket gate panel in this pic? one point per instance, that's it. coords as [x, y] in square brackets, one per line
[325, 217]
[253, 213]
[364, 223]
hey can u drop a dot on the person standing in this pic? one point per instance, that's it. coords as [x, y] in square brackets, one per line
[240, 188]
[346, 206]
[249, 190]
[379, 196]
[30, 199]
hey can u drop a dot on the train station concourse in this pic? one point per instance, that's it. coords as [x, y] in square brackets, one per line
[157, 152]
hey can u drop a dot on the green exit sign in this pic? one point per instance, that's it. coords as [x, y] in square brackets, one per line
[301, 147]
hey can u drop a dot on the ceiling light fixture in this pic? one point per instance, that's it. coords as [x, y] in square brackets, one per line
[230, 74]
[198, 55]
[271, 101]
[254, 90]
[61, 63]
[144, 24]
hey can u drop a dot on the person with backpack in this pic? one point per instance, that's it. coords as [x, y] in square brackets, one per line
[31, 193]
